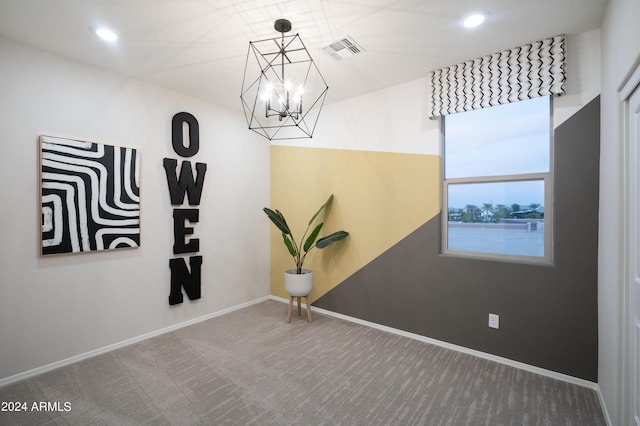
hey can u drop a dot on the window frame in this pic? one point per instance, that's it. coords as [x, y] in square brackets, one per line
[546, 177]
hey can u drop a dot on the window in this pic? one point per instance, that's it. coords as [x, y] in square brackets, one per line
[498, 181]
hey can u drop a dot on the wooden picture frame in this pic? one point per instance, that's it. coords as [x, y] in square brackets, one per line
[90, 196]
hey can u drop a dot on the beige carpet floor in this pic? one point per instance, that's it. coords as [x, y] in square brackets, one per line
[250, 367]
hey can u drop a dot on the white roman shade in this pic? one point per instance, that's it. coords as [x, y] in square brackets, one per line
[525, 72]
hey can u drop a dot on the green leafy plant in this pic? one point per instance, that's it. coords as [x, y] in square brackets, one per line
[297, 250]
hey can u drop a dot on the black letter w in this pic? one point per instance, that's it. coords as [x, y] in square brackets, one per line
[186, 184]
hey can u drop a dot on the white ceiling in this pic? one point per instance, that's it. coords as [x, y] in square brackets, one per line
[199, 47]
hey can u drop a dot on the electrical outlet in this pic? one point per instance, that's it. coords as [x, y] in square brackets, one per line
[494, 321]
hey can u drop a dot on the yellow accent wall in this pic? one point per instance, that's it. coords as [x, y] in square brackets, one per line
[379, 198]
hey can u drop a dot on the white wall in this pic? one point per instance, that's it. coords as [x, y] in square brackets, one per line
[389, 120]
[395, 119]
[620, 51]
[56, 307]
[583, 75]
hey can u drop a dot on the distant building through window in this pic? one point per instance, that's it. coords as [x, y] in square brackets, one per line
[498, 181]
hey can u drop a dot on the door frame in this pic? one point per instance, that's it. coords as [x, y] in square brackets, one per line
[628, 88]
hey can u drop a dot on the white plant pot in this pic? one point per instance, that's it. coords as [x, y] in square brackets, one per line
[298, 285]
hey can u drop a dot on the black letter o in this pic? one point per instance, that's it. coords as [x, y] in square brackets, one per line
[177, 136]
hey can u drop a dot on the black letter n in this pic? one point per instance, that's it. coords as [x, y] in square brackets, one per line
[181, 278]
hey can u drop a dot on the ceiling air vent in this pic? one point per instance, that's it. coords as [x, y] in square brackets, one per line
[343, 48]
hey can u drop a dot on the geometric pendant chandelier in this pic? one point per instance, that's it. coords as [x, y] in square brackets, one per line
[282, 90]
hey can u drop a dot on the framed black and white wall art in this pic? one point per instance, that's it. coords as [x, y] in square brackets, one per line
[90, 196]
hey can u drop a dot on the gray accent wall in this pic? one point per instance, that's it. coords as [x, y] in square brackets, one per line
[548, 314]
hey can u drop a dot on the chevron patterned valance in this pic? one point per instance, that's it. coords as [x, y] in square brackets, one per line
[525, 72]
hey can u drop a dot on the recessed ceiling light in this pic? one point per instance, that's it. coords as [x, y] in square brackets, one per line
[473, 20]
[106, 34]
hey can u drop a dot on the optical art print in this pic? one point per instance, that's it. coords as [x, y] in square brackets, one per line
[90, 196]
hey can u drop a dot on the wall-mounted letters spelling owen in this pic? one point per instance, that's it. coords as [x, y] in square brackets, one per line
[180, 187]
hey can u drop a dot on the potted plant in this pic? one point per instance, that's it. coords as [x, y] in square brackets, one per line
[299, 281]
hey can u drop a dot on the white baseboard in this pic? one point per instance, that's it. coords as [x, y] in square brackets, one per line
[484, 355]
[45, 368]
[603, 405]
